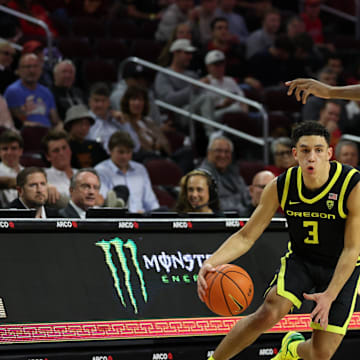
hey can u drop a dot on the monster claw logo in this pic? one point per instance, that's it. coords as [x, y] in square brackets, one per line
[119, 246]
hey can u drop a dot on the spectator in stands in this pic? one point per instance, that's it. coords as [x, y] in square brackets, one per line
[32, 187]
[347, 152]
[215, 64]
[170, 89]
[295, 26]
[281, 150]
[84, 193]
[259, 181]
[6, 119]
[134, 75]
[201, 17]
[38, 48]
[30, 103]
[198, 193]
[261, 39]
[175, 14]
[330, 117]
[58, 153]
[135, 108]
[121, 170]
[182, 31]
[96, 9]
[106, 120]
[85, 153]
[353, 115]
[222, 40]
[33, 9]
[7, 75]
[11, 149]
[65, 93]
[311, 110]
[335, 62]
[276, 58]
[313, 24]
[233, 192]
[237, 25]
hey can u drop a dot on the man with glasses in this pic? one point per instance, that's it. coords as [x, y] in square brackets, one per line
[84, 192]
[281, 149]
[30, 103]
[7, 76]
[259, 181]
[232, 189]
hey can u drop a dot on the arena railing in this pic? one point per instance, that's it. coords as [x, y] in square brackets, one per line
[191, 115]
[35, 21]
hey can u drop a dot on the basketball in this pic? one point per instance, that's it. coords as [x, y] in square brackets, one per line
[230, 290]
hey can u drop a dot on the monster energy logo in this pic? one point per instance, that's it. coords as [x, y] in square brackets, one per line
[119, 246]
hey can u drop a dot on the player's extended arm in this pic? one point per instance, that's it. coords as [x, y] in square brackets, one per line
[305, 87]
[346, 262]
[241, 241]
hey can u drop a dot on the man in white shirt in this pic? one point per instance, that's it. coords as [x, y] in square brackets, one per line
[11, 149]
[84, 190]
[121, 170]
[58, 153]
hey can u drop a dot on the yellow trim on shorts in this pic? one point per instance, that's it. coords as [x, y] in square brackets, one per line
[340, 329]
[286, 188]
[281, 282]
[342, 193]
[324, 192]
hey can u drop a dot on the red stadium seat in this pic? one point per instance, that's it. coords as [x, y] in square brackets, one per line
[163, 172]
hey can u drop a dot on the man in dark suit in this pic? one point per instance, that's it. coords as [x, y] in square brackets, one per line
[32, 187]
[84, 193]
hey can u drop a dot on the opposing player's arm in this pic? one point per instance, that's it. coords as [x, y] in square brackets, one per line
[305, 87]
[241, 241]
[346, 263]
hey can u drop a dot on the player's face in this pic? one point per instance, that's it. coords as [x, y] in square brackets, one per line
[35, 191]
[86, 190]
[313, 154]
[197, 191]
[10, 154]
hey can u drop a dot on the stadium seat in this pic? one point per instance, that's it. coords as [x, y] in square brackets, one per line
[163, 172]
[243, 122]
[249, 168]
[146, 49]
[32, 136]
[276, 98]
[88, 27]
[75, 48]
[111, 49]
[98, 70]
[165, 199]
[124, 29]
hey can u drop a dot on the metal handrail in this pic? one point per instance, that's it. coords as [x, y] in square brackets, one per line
[34, 21]
[200, 84]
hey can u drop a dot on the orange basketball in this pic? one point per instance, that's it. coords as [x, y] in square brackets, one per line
[230, 290]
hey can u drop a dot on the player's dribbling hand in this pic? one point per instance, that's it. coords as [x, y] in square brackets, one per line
[201, 282]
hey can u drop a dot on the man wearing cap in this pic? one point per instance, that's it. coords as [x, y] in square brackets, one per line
[170, 89]
[31, 103]
[65, 93]
[85, 153]
[215, 64]
[134, 75]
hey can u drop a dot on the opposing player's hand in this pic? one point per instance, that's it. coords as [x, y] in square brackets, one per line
[305, 87]
[320, 314]
[201, 282]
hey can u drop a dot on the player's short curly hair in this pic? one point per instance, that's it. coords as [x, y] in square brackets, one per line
[308, 128]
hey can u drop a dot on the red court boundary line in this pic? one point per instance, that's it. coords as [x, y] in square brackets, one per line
[141, 329]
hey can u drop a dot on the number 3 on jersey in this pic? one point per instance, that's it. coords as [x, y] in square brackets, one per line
[313, 237]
